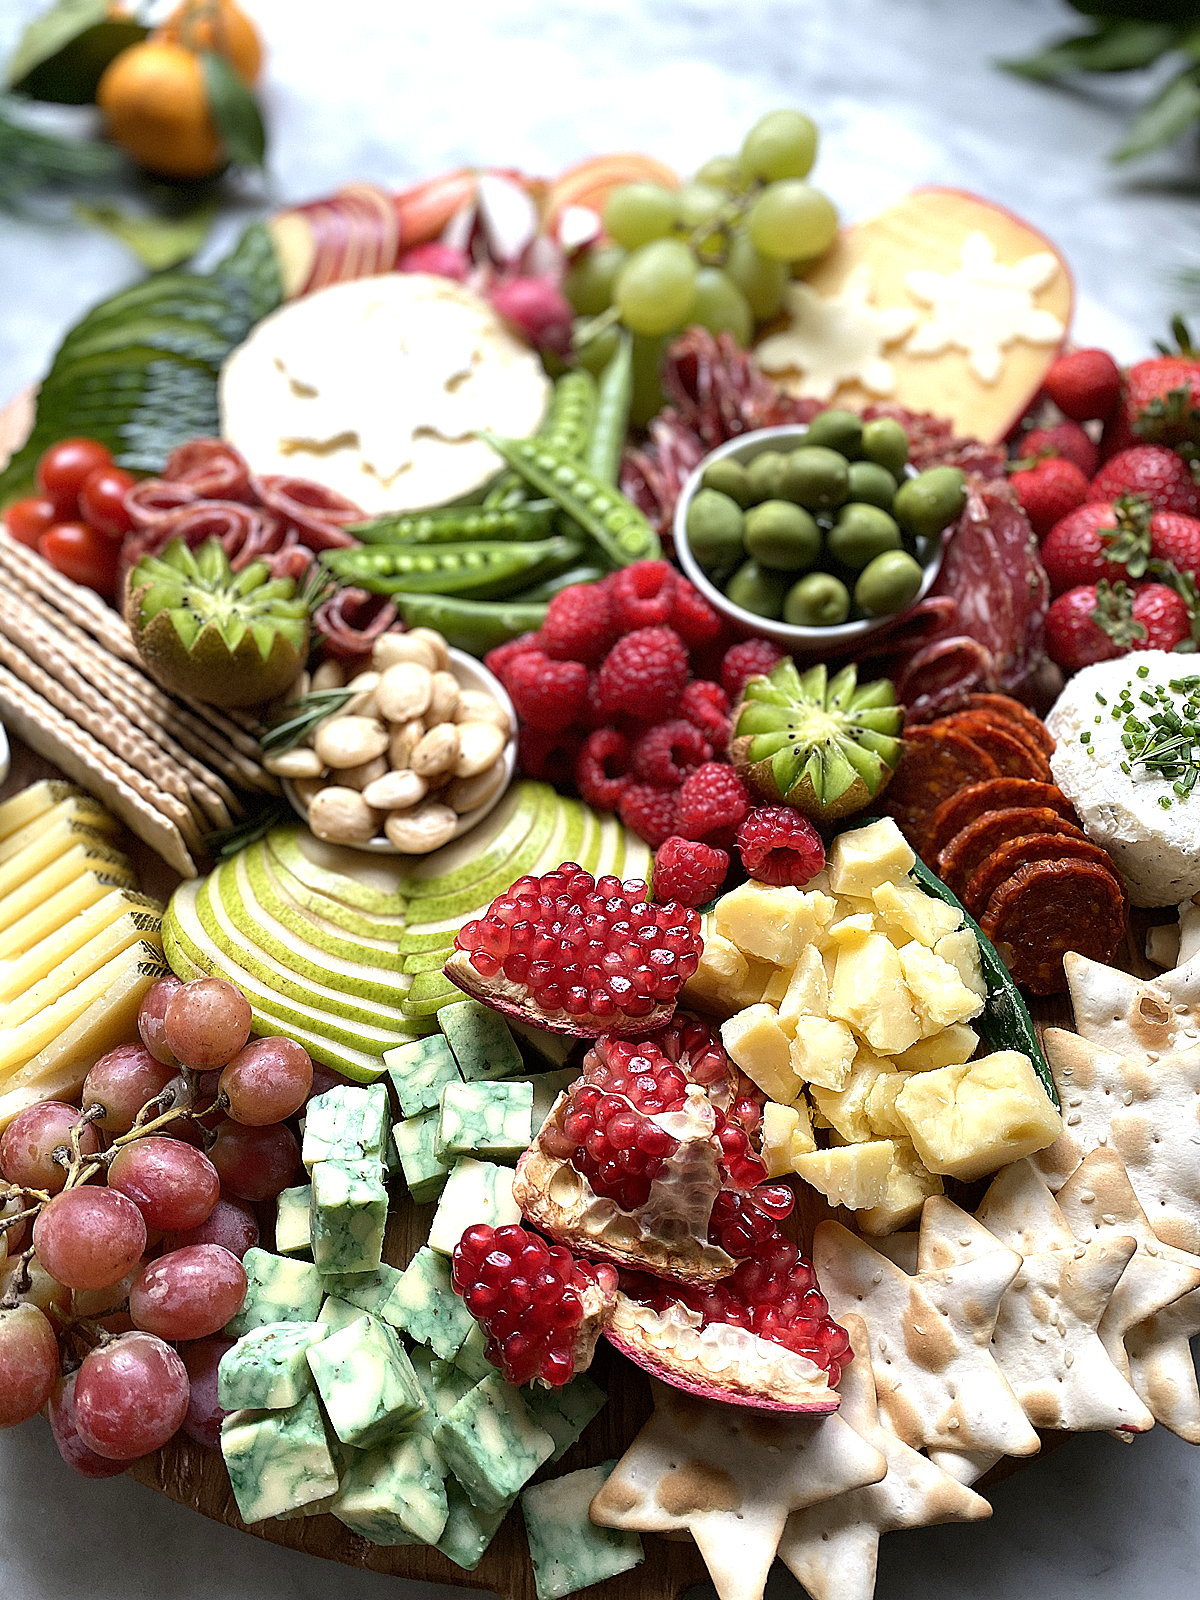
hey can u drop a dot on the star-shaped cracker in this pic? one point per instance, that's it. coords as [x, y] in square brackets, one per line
[1162, 1369]
[1046, 1339]
[833, 1548]
[731, 1477]
[837, 338]
[1138, 1018]
[983, 306]
[937, 1382]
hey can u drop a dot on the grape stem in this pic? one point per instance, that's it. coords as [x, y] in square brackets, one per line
[18, 1283]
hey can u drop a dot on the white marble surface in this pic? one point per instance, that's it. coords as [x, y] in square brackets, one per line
[905, 94]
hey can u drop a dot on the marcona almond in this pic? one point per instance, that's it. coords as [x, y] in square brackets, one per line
[341, 816]
[396, 791]
[362, 701]
[298, 690]
[435, 642]
[366, 772]
[391, 648]
[329, 675]
[404, 741]
[443, 698]
[465, 794]
[420, 831]
[479, 743]
[476, 706]
[307, 789]
[349, 741]
[437, 751]
[403, 691]
[298, 763]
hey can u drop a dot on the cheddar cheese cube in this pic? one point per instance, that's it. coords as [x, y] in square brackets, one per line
[850, 1175]
[862, 858]
[968, 1120]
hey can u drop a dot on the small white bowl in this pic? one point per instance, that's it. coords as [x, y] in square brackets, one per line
[4, 754]
[471, 674]
[796, 638]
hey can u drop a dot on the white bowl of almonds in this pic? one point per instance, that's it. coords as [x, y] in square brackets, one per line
[420, 751]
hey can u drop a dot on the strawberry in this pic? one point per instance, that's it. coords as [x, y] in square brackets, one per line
[1066, 439]
[1098, 540]
[1162, 614]
[1098, 622]
[1085, 385]
[1073, 638]
[1160, 403]
[1174, 538]
[1150, 470]
[1048, 490]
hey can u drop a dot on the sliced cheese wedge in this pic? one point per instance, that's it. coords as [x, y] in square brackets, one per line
[86, 959]
[22, 808]
[47, 847]
[70, 937]
[86, 811]
[35, 892]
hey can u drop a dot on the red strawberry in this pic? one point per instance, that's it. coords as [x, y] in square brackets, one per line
[1163, 615]
[1076, 551]
[1176, 539]
[1162, 399]
[1085, 385]
[1048, 491]
[1066, 439]
[1152, 471]
[1073, 638]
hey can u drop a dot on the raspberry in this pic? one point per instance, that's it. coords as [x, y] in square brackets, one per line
[644, 673]
[694, 620]
[649, 811]
[666, 753]
[548, 756]
[688, 872]
[747, 660]
[778, 845]
[501, 658]
[711, 800]
[579, 624]
[706, 706]
[548, 695]
[643, 595]
[602, 769]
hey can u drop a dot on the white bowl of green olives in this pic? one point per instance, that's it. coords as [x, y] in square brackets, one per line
[817, 535]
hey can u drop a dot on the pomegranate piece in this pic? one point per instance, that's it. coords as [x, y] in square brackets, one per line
[578, 955]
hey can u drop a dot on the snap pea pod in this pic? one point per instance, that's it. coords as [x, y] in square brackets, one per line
[549, 587]
[481, 569]
[603, 513]
[476, 626]
[567, 426]
[449, 524]
[613, 398]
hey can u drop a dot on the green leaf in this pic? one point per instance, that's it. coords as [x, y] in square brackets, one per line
[1113, 47]
[253, 264]
[234, 111]
[157, 242]
[31, 160]
[1178, 11]
[62, 54]
[1169, 114]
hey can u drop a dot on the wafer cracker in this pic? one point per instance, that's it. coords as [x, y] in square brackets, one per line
[1137, 1018]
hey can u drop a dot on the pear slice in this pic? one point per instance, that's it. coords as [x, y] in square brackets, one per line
[336, 913]
[273, 903]
[358, 879]
[502, 870]
[492, 842]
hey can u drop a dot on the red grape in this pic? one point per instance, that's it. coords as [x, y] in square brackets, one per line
[89, 1237]
[267, 1081]
[66, 1435]
[102, 500]
[206, 1022]
[123, 1081]
[150, 1018]
[27, 520]
[27, 1148]
[231, 1224]
[172, 1184]
[28, 1363]
[42, 1290]
[189, 1293]
[62, 469]
[255, 1163]
[202, 1357]
[325, 1078]
[130, 1396]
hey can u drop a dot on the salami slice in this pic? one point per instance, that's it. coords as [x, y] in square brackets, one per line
[1005, 706]
[351, 620]
[318, 514]
[149, 501]
[212, 468]
[246, 534]
[1006, 858]
[976, 840]
[937, 763]
[998, 794]
[1007, 746]
[1049, 907]
[940, 675]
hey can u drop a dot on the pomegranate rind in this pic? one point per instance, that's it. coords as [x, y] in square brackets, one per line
[598, 1300]
[717, 1361]
[514, 1000]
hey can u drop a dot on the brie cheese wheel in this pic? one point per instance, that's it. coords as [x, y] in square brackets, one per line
[377, 387]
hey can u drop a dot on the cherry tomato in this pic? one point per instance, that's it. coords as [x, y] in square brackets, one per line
[102, 500]
[62, 469]
[28, 520]
[82, 554]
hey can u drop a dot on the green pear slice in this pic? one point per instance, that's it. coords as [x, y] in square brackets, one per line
[495, 871]
[315, 903]
[493, 841]
[429, 993]
[271, 899]
[361, 880]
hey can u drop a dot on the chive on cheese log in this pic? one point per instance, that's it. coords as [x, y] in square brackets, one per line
[468, 1530]
[568, 1551]
[369, 1291]
[394, 1494]
[336, 1314]
[424, 1170]
[480, 1039]
[346, 1123]
[472, 1356]
[293, 1233]
[485, 1119]
[476, 1191]
[266, 1369]
[277, 1290]
[565, 1412]
[491, 1443]
[425, 1306]
[278, 1460]
[366, 1382]
[420, 1071]
[348, 1216]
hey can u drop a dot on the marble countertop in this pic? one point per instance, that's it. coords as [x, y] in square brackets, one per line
[905, 93]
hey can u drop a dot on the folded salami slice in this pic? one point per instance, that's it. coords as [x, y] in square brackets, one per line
[1049, 907]
[153, 499]
[247, 534]
[319, 515]
[976, 840]
[351, 621]
[1013, 853]
[212, 468]
[997, 794]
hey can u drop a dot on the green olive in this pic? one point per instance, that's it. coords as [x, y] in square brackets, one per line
[714, 528]
[731, 478]
[860, 534]
[815, 477]
[756, 590]
[888, 584]
[782, 536]
[871, 484]
[766, 475]
[926, 504]
[885, 442]
[840, 430]
[818, 601]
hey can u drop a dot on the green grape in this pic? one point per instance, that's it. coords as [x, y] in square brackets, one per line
[720, 306]
[648, 398]
[588, 284]
[654, 288]
[636, 213]
[721, 172]
[699, 205]
[761, 280]
[791, 219]
[783, 144]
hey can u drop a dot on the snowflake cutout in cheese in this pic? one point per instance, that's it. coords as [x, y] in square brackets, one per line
[838, 338]
[983, 306]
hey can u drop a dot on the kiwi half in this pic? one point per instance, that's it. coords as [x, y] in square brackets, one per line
[230, 638]
[827, 746]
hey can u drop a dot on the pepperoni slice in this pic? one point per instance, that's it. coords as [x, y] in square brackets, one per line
[1049, 907]
[937, 763]
[1005, 706]
[1006, 858]
[998, 794]
[1007, 744]
[972, 844]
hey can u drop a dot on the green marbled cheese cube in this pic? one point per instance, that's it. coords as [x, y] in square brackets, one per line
[278, 1460]
[266, 1369]
[336, 1314]
[425, 1172]
[450, 1383]
[366, 1382]
[468, 1530]
[420, 1071]
[425, 1306]
[491, 1443]
[481, 1041]
[547, 1086]
[550, 1049]
[472, 1355]
[293, 1235]
[277, 1290]
[369, 1291]
[346, 1123]
[565, 1412]
[394, 1493]
[568, 1550]
[476, 1191]
[348, 1216]
[485, 1119]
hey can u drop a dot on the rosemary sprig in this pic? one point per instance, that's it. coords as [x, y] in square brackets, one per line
[222, 843]
[300, 718]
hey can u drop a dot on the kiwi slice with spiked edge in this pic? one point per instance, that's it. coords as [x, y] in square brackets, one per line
[827, 746]
[205, 631]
